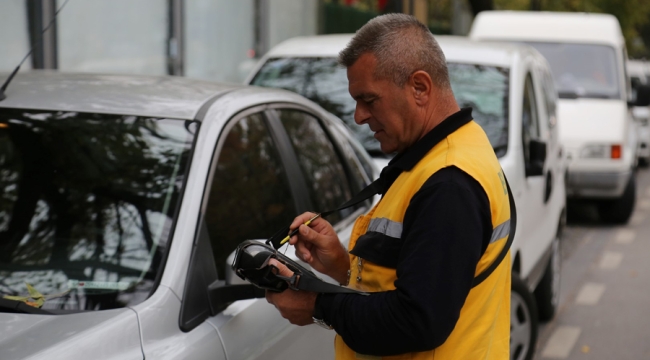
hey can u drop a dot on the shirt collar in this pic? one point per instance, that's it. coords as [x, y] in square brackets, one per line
[407, 159]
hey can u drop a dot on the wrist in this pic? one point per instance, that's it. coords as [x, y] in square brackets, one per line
[318, 315]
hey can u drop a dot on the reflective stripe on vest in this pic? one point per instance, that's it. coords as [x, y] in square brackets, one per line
[394, 229]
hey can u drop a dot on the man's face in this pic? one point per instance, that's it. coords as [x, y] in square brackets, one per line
[383, 105]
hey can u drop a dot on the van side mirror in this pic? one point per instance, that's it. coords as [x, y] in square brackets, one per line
[537, 152]
[642, 96]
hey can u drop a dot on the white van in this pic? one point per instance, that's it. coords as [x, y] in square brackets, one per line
[588, 58]
[511, 91]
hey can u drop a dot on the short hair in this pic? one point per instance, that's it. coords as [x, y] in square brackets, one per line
[402, 45]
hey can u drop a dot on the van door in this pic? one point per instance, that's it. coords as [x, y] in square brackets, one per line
[534, 130]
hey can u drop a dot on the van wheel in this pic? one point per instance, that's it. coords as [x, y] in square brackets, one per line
[523, 321]
[547, 293]
[619, 211]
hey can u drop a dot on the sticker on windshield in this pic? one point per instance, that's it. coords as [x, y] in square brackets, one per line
[104, 285]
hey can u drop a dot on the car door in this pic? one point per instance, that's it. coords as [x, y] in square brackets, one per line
[258, 186]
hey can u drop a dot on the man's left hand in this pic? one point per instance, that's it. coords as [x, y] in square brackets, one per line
[295, 306]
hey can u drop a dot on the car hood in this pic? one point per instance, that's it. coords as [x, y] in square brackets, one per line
[107, 334]
[582, 121]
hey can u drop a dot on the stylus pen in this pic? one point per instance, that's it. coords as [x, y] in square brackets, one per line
[295, 231]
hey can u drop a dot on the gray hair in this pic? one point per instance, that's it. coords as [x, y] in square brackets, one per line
[402, 45]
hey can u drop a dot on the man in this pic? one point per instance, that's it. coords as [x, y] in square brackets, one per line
[442, 220]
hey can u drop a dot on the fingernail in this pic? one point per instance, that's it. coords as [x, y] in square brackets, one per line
[303, 230]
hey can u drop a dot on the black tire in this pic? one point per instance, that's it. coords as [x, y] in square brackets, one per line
[644, 162]
[523, 321]
[618, 211]
[547, 293]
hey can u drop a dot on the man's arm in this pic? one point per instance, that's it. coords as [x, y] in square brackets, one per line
[446, 230]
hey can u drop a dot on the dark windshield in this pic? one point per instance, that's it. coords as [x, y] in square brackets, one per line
[582, 70]
[484, 88]
[87, 204]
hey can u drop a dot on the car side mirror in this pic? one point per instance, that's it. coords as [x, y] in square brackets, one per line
[537, 152]
[224, 292]
[221, 295]
[642, 96]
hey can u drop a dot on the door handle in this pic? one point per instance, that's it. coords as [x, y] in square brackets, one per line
[548, 186]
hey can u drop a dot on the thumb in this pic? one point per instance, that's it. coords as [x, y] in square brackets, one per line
[282, 269]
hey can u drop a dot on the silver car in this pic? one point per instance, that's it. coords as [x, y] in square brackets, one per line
[123, 198]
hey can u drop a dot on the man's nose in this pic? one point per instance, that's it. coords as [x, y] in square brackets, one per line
[361, 114]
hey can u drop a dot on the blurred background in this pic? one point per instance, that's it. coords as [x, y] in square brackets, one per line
[222, 39]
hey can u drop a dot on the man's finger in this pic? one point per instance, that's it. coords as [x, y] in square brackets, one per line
[301, 219]
[282, 269]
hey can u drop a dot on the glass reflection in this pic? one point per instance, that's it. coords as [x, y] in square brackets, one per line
[582, 70]
[485, 89]
[88, 203]
[319, 162]
[324, 82]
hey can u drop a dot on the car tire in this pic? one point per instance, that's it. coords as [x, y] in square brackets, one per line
[644, 162]
[547, 293]
[523, 321]
[618, 211]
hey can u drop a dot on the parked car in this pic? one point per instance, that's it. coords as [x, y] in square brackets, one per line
[639, 73]
[588, 59]
[511, 91]
[123, 197]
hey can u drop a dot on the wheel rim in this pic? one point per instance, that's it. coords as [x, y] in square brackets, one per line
[556, 267]
[520, 327]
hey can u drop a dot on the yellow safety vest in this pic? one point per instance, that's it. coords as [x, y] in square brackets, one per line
[483, 328]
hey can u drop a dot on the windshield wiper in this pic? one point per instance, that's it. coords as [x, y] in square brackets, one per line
[15, 306]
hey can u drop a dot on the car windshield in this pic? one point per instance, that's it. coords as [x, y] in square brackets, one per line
[324, 82]
[484, 88]
[88, 204]
[582, 70]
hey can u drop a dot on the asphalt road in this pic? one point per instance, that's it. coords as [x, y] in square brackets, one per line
[604, 311]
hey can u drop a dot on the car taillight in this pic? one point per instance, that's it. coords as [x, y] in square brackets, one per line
[616, 152]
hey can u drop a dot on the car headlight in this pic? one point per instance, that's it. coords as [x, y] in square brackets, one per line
[601, 151]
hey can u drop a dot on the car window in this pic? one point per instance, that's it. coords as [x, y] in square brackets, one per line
[485, 89]
[324, 82]
[250, 196]
[318, 159]
[529, 117]
[88, 204]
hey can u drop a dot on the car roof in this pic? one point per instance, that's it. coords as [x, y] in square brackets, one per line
[155, 96]
[311, 46]
[456, 49]
[546, 26]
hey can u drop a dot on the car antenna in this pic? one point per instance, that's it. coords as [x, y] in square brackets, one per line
[13, 73]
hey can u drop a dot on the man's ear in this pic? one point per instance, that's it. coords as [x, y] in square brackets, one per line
[422, 86]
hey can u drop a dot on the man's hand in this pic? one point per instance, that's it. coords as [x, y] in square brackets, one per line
[295, 306]
[319, 246]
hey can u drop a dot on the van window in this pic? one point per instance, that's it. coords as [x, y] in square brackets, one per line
[529, 117]
[485, 89]
[582, 70]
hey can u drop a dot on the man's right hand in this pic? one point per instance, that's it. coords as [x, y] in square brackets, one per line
[319, 246]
